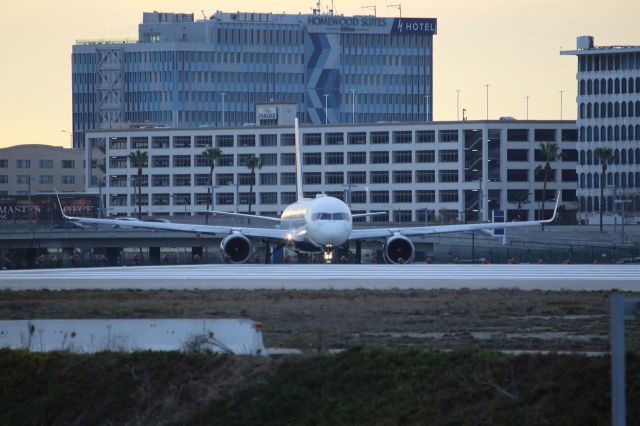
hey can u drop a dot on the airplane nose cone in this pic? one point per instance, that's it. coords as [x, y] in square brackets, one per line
[334, 233]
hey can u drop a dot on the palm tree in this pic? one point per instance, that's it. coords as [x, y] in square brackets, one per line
[252, 164]
[604, 155]
[551, 152]
[210, 155]
[139, 159]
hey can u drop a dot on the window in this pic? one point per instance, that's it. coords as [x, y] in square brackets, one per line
[356, 157]
[517, 155]
[425, 176]
[402, 136]
[357, 138]
[287, 197]
[517, 135]
[425, 136]
[246, 140]
[23, 179]
[544, 135]
[379, 137]
[269, 159]
[202, 199]
[311, 139]
[268, 178]
[156, 180]
[379, 196]
[144, 199]
[333, 178]
[428, 156]
[4, 179]
[224, 179]
[160, 199]
[182, 199]
[402, 157]
[448, 176]
[225, 160]
[287, 159]
[448, 135]
[4, 164]
[551, 177]
[311, 158]
[181, 180]
[312, 178]
[334, 158]
[402, 176]
[569, 175]
[245, 178]
[358, 197]
[181, 161]
[449, 196]
[518, 175]
[379, 177]
[268, 140]
[379, 157]
[23, 164]
[160, 161]
[46, 180]
[201, 161]
[68, 164]
[224, 198]
[287, 178]
[139, 142]
[570, 135]
[448, 156]
[202, 179]
[425, 196]
[357, 177]
[402, 196]
[224, 141]
[158, 142]
[518, 195]
[118, 143]
[334, 139]
[182, 141]
[46, 164]
[68, 180]
[269, 198]
[203, 141]
[287, 139]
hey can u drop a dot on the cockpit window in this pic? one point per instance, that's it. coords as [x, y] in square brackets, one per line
[329, 216]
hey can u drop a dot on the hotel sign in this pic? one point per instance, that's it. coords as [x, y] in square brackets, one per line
[370, 25]
[267, 113]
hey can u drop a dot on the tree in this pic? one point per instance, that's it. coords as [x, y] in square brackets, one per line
[252, 164]
[604, 155]
[139, 159]
[210, 155]
[550, 152]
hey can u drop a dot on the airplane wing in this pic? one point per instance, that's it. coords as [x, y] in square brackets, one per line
[244, 215]
[279, 234]
[363, 234]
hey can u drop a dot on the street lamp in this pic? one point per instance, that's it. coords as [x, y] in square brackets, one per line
[347, 189]
[353, 106]
[326, 105]
[428, 108]
[222, 95]
[487, 87]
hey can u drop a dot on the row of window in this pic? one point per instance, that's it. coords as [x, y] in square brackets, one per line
[592, 204]
[609, 109]
[609, 62]
[522, 175]
[620, 156]
[42, 179]
[609, 86]
[43, 164]
[609, 133]
[617, 179]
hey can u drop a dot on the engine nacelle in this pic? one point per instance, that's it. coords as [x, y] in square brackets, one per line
[398, 249]
[235, 248]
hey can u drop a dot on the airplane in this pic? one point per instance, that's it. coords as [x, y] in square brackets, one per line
[320, 224]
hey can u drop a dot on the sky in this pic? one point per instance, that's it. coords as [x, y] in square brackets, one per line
[512, 45]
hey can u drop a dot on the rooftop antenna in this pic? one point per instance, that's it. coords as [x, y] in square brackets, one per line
[396, 6]
[375, 13]
[318, 8]
[203, 15]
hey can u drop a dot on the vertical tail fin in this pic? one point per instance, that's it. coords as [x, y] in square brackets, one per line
[298, 155]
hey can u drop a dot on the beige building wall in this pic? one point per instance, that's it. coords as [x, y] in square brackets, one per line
[46, 167]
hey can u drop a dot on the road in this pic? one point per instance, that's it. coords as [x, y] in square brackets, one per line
[338, 277]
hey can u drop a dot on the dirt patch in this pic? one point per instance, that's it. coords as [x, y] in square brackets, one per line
[321, 320]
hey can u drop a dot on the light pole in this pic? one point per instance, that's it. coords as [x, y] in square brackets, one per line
[457, 104]
[487, 87]
[326, 105]
[213, 196]
[526, 98]
[29, 200]
[223, 94]
[347, 189]
[561, 92]
[70, 136]
[353, 106]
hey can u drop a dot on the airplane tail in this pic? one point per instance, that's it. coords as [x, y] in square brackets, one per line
[298, 155]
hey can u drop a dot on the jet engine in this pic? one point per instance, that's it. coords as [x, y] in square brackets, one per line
[398, 249]
[235, 248]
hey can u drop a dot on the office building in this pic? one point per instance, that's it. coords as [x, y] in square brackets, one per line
[608, 117]
[185, 73]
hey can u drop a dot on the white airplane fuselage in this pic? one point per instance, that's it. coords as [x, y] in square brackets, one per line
[323, 222]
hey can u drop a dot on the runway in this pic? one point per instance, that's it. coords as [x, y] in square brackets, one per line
[337, 277]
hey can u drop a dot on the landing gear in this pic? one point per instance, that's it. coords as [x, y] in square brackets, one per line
[328, 256]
